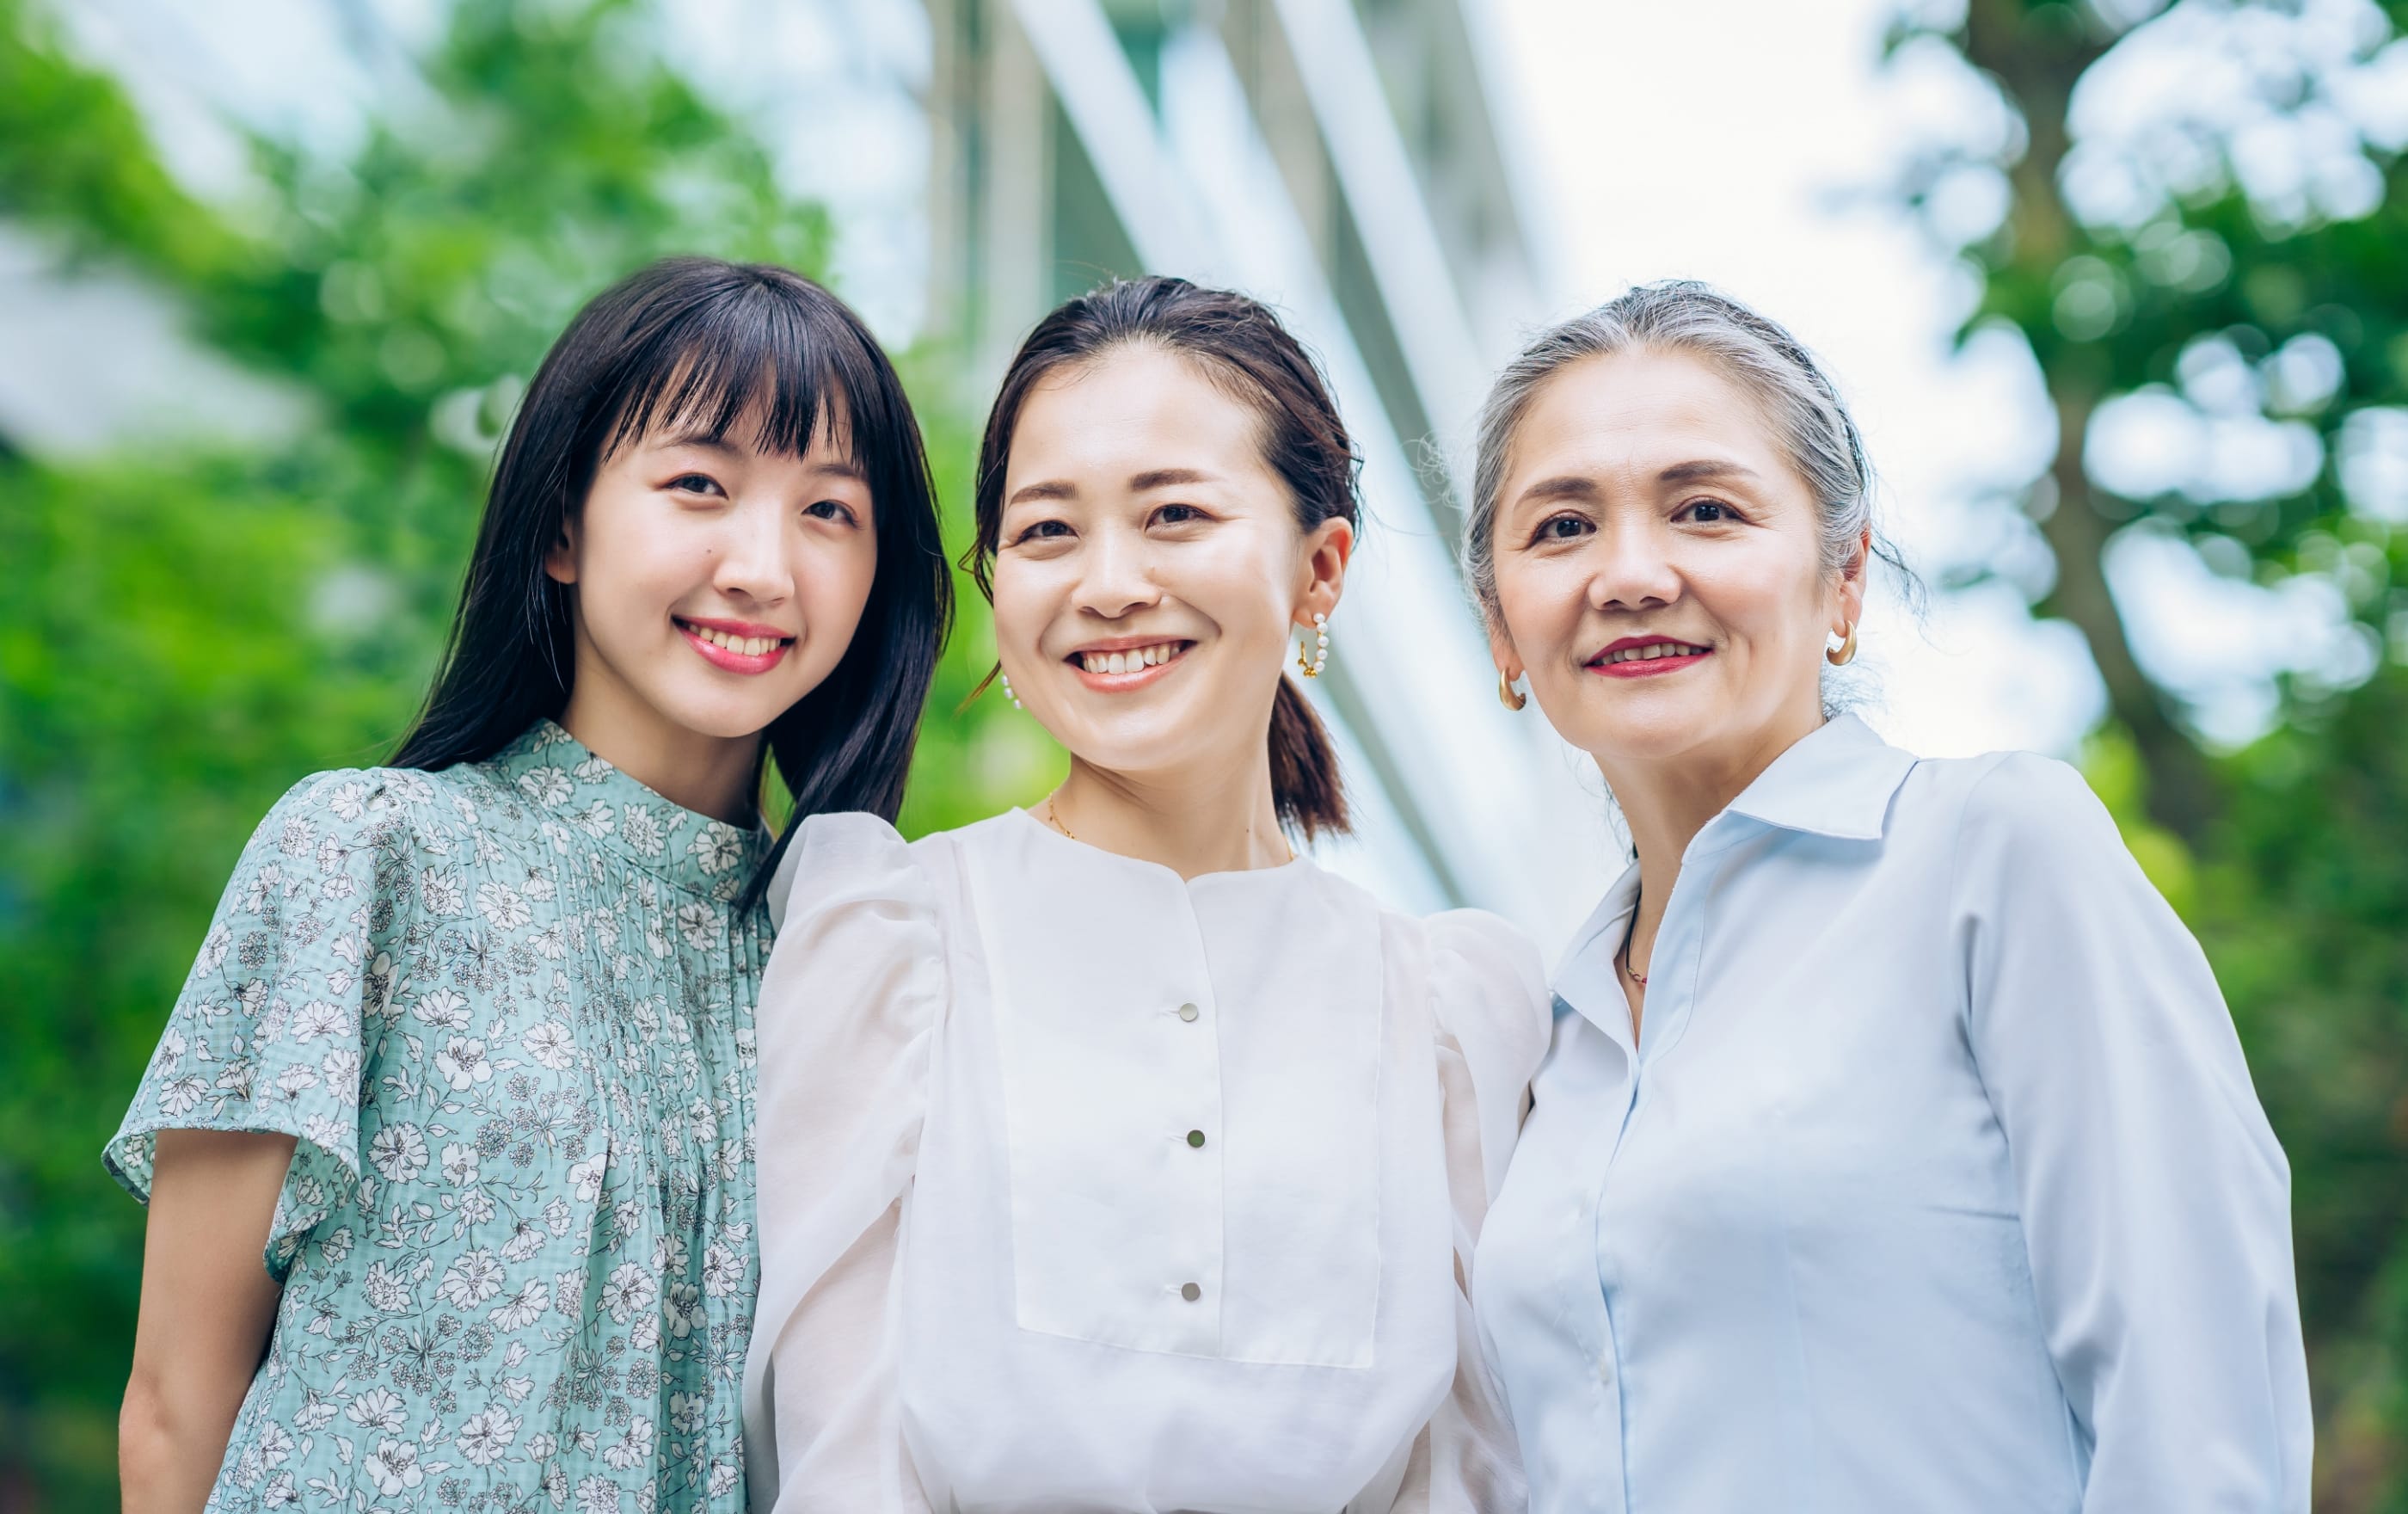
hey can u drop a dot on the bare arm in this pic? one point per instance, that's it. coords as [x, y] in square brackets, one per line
[207, 1304]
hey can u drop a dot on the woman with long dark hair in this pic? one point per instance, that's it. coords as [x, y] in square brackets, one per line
[467, 1053]
[1113, 1157]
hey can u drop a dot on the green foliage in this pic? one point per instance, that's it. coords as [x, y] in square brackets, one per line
[185, 635]
[2303, 901]
[2290, 858]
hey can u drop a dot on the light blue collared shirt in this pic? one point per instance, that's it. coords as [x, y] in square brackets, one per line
[1935, 1183]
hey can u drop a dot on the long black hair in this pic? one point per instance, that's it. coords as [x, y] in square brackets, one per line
[1238, 342]
[695, 339]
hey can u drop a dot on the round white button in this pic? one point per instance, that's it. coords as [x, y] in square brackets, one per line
[1187, 1012]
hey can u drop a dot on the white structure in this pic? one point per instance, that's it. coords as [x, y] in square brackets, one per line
[1343, 162]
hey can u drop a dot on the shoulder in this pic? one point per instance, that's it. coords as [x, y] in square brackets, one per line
[2019, 826]
[1482, 971]
[1477, 939]
[2021, 803]
[378, 809]
[856, 858]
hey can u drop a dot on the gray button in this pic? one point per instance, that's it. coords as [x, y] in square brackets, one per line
[1187, 1012]
[1196, 1138]
[1189, 1292]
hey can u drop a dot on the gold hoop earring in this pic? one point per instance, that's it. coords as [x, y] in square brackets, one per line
[1507, 695]
[1311, 667]
[1845, 652]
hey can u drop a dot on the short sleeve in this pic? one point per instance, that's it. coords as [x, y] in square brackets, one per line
[2154, 1200]
[849, 1004]
[267, 1035]
[1488, 998]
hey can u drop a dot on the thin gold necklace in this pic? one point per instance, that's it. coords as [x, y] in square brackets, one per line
[1629, 933]
[1054, 819]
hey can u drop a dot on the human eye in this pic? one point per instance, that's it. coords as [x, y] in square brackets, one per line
[1707, 513]
[691, 482]
[1179, 516]
[832, 510]
[1043, 530]
[1563, 527]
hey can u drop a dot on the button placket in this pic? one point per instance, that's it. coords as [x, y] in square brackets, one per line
[1187, 1137]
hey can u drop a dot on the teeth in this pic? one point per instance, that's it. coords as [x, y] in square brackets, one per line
[750, 646]
[1652, 651]
[1133, 659]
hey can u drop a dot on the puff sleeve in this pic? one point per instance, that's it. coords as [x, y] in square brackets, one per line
[271, 1031]
[1489, 1001]
[2156, 1201]
[849, 1002]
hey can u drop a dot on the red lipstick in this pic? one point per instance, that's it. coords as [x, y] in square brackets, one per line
[1689, 655]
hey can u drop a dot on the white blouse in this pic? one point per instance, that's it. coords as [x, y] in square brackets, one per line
[1086, 1188]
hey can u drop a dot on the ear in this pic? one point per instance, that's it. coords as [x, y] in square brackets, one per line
[1850, 606]
[1501, 651]
[560, 558]
[1328, 548]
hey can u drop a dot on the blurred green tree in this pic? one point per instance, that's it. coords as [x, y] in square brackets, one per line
[188, 631]
[2143, 259]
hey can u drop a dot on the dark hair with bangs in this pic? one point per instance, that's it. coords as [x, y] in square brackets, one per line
[1239, 344]
[695, 341]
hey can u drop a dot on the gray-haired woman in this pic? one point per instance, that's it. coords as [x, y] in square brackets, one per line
[1894, 1151]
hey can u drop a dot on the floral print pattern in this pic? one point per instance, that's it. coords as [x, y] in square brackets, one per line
[506, 1011]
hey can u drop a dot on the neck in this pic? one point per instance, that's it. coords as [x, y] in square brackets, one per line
[1192, 823]
[1668, 802]
[711, 775]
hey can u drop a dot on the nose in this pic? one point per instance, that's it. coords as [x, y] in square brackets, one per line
[1634, 568]
[753, 555]
[1113, 580]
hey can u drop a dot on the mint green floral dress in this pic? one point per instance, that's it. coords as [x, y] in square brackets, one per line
[506, 1008]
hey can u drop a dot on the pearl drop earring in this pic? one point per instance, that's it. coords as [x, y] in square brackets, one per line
[1321, 649]
[1007, 693]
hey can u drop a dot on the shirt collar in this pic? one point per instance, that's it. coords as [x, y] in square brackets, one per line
[1835, 780]
[588, 793]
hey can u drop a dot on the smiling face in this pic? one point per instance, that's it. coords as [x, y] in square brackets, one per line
[715, 582]
[1659, 567]
[1150, 574]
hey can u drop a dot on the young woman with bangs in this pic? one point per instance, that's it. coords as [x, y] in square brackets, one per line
[1112, 1156]
[447, 1144]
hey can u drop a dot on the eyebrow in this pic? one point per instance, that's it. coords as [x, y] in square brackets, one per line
[1162, 478]
[705, 441]
[1049, 489]
[1705, 467]
[1157, 478]
[702, 440]
[1578, 486]
[1562, 486]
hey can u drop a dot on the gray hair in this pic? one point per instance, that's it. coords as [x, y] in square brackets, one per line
[1809, 420]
